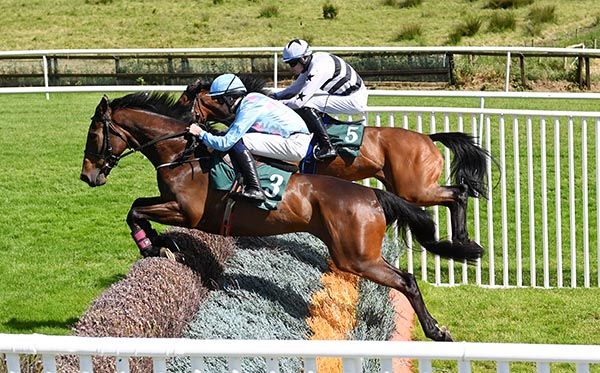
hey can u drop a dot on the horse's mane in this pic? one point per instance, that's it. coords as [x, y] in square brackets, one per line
[197, 86]
[253, 83]
[157, 102]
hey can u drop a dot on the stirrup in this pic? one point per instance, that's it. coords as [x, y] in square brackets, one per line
[251, 194]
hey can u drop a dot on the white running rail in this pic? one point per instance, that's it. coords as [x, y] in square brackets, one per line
[463, 355]
[507, 52]
[537, 224]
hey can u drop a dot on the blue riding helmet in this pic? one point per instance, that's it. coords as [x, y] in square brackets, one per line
[226, 84]
[295, 49]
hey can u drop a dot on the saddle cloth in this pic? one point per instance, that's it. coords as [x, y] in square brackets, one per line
[346, 138]
[272, 180]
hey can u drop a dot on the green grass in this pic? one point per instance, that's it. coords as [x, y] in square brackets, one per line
[64, 243]
[187, 23]
[565, 316]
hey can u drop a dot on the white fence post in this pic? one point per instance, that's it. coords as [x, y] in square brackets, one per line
[507, 81]
[46, 83]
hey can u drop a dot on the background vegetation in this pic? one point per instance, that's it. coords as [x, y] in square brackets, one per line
[58, 24]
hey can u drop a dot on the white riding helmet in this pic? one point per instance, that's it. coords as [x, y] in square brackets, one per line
[226, 84]
[295, 49]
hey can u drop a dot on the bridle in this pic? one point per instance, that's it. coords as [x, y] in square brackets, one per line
[106, 153]
[197, 113]
[201, 118]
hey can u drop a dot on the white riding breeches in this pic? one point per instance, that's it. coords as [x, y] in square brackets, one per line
[355, 103]
[291, 149]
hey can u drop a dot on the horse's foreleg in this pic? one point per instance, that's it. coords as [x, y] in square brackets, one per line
[144, 210]
[383, 273]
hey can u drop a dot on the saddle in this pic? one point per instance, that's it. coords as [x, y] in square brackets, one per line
[329, 120]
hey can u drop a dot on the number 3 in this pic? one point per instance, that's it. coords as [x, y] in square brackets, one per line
[276, 181]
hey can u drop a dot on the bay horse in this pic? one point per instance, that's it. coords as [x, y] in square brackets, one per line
[408, 163]
[350, 219]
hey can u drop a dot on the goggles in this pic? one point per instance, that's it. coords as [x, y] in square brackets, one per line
[293, 62]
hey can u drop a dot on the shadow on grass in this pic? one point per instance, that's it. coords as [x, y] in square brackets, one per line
[29, 326]
[107, 281]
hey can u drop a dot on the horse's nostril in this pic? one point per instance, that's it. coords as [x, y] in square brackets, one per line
[84, 177]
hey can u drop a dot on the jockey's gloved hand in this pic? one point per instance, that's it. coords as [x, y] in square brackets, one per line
[273, 95]
[196, 130]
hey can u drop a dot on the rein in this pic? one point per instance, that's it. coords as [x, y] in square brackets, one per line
[157, 140]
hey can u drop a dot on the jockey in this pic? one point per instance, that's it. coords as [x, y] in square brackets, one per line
[325, 84]
[262, 126]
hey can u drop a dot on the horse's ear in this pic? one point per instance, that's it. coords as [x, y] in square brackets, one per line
[194, 87]
[102, 107]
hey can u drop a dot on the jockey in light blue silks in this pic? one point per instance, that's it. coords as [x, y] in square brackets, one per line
[262, 126]
[325, 84]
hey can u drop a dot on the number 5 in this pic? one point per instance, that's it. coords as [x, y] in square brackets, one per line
[351, 134]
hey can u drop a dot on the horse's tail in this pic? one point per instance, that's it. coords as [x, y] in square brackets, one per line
[469, 164]
[422, 227]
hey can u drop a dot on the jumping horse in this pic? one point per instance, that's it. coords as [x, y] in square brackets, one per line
[350, 219]
[408, 163]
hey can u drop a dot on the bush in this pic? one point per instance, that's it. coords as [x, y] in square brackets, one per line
[454, 36]
[409, 3]
[533, 29]
[409, 32]
[542, 14]
[330, 11]
[469, 27]
[269, 11]
[502, 20]
[506, 4]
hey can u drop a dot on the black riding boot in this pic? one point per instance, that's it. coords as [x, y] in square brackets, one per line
[244, 162]
[314, 122]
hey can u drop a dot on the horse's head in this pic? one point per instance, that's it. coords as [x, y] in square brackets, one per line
[187, 97]
[206, 108]
[103, 147]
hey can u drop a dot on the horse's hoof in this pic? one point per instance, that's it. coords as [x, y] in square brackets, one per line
[166, 253]
[150, 251]
[446, 336]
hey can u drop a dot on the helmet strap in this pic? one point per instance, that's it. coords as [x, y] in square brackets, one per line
[305, 62]
[232, 102]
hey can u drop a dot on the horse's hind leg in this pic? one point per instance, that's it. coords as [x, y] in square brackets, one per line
[458, 213]
[383, 273]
